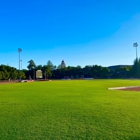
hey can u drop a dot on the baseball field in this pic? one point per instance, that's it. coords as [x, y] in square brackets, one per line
[69, 110]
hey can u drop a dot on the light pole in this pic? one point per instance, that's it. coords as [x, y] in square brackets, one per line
[135, 45]
[19, 50]
[33, 72]
[21, 64]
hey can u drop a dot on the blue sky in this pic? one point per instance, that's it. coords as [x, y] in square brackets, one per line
[85, 32]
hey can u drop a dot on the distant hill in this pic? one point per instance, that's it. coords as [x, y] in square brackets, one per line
[118, 66]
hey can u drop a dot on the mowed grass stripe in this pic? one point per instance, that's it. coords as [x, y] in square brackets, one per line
[69, 110]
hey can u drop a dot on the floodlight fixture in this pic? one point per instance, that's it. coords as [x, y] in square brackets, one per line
[19, 50]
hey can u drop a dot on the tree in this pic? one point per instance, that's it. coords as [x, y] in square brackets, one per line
[59, 67]
[123, 72]
[22, 75]
[1, 75]
[50, 64]
[105, 72]
[13, 73]
[39, 67]
[47, 71]
[6, 75]
[136, 68]
[26, 73]
[87, 71]
[31, 65]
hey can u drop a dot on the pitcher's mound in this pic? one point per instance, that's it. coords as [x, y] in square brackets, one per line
[132, 88]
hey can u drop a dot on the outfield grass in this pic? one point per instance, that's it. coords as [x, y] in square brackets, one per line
[69, 110]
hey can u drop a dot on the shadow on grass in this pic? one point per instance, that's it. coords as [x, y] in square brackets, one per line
[135, 138]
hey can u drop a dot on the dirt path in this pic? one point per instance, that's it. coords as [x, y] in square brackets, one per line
[7, 82]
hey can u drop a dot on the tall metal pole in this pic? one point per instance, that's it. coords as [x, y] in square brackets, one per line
[136, 45]
[136, 53]
[19, 60]
[34, 73]
[19, 50]
[45, 75]
[21, 64]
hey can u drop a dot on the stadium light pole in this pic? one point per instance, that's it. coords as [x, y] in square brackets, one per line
[33, 72]
[21, 64]
[19, 50]
[135, 45]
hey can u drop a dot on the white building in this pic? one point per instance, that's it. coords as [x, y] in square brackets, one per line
[63, 65]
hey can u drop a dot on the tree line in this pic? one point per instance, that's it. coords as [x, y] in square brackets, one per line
[8, 73]
[50, 71]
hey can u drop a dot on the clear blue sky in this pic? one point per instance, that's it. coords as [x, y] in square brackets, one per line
[82, 32]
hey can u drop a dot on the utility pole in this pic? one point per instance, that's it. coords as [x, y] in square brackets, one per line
[136, 45]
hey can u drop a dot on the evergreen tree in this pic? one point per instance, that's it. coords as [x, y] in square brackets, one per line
[31, 65]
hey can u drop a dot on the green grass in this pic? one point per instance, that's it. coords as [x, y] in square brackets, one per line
[69, 110]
